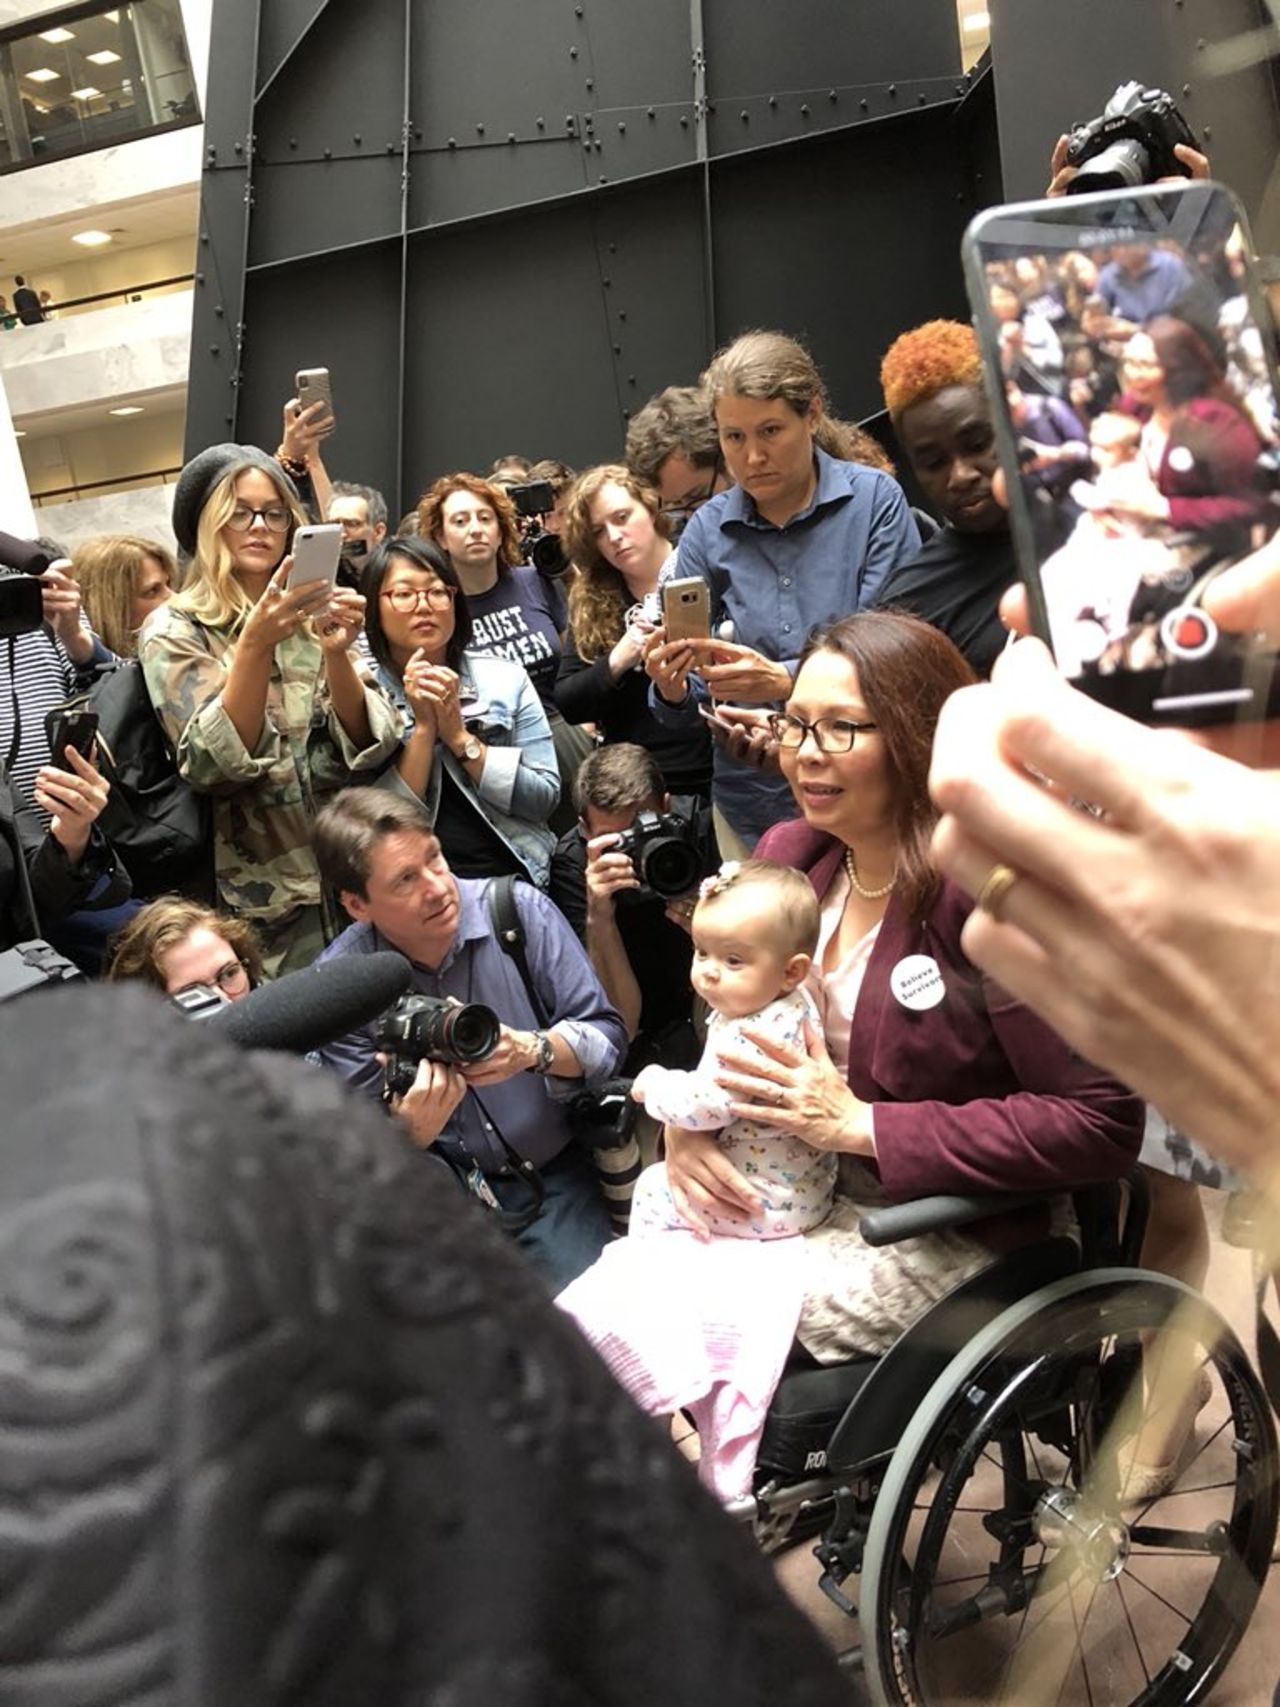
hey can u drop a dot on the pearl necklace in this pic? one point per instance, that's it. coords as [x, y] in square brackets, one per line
[851, 868]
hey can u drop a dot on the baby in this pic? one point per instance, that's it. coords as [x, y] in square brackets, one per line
[755, 930]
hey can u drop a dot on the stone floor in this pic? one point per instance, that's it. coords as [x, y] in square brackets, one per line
[1250, 1678]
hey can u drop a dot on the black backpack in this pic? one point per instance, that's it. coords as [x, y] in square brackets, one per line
[159, 826]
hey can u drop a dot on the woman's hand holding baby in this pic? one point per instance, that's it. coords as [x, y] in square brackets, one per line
[799, 1092]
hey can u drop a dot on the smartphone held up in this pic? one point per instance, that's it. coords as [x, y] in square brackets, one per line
[1129, 356]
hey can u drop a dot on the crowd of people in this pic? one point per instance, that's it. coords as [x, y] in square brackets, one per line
[810, 1015]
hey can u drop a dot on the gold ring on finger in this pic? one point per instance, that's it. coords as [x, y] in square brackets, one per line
[991, 897]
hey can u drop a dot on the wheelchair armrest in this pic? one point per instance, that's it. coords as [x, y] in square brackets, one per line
[931, 1214]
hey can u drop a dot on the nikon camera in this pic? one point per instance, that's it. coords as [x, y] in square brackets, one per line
[1131, 143]
[663, 849]
[434, 1028]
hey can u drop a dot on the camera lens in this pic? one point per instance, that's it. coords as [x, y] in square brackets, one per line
[670, 867]
[547, 556]
[1122, 166]
[468, 1033]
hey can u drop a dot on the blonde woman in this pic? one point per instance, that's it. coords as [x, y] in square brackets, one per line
[123, 578]
[257, 691]
[616, 536]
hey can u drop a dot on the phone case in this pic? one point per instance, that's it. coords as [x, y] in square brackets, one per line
[686, 609]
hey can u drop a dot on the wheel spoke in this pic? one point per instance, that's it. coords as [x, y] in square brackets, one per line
[1155, 1593]
[1132, 1631]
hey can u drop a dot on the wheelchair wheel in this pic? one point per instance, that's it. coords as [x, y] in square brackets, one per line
[1006, 1561]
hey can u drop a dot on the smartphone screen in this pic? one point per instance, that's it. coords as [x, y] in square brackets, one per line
[1130, 361]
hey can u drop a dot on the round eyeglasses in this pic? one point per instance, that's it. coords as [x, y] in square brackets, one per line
[832, 734]
[276, 517]
[406, 599]
[231, 976]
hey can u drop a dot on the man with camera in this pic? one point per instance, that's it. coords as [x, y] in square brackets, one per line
[626, 878]
[489, 1091]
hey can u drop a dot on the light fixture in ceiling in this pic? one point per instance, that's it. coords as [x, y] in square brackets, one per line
[977, 23]
[58, 35]
[42, 74]
[91, 239]
[127, 409]
[104, 56]
[88, 93]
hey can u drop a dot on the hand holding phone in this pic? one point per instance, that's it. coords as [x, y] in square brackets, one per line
[75, 729]
[316, 553]
[312, 386]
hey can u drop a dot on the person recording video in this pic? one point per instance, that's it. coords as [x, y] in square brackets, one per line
[493, 1108]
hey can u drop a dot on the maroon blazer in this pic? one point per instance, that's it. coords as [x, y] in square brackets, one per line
[976, 1094]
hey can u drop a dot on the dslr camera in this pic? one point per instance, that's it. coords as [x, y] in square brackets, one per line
[662, 847]
[534, 499]
[1130, 143]
[434, 1028]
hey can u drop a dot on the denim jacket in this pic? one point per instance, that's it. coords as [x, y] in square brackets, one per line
[520, 784]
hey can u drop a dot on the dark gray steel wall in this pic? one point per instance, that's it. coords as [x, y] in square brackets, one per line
[503, 224]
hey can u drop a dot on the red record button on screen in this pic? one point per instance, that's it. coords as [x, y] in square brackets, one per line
[1189, 632]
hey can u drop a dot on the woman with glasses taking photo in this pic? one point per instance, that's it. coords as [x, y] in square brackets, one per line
[255, 686]
[479, 753]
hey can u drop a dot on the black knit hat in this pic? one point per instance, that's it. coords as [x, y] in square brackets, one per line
[203, 473]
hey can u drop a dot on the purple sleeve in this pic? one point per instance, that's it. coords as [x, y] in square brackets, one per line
[1225, 448]
[1069, 1124]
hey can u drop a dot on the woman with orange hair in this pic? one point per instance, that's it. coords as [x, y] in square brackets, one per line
[932, 382]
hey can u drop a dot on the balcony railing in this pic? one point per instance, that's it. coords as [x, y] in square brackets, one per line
[95, 488]
[113, 298]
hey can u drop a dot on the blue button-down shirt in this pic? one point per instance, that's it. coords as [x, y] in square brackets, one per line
[776, 584]
[1155, 290]
[527, 1109]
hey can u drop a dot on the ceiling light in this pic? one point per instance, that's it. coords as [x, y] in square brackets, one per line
[976, 23]
[114, 16]
[104, 56]
[88, 93]
[127, 409]
[42, 74]
[91, 239]
[57, 35]
[18, 433]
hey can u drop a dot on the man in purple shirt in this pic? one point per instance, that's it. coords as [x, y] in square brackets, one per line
[379, 853]
[1139, 282]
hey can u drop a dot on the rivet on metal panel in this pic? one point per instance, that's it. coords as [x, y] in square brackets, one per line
[959, 89]
[745, 116]
[599, 145]
[200, 276]
[1200, 45]
[631, 379]
[922, 100]
[622, 314]
[204, 236]
[230, 420]
[541, 123]
[586, 143]
[591, 82]
[1206, 130]
[804, 109]
[626, 414]
[358, 140]
[606, 281]
[511, 136]
[573, 53]
[479, 130]
[1186, 88]
[570, 120]
[218, 310]
[453, 142]
[617, 348]
[832, 96]
[684, 121]
[214, 350]
[893, 88]
[239, 147]
[603, 179]
[650, 113]
[577, 11]
[417, 136]
[293, 142]
[865, 105]
[622, 127]
[711, 109]
[391, 148]
[773, 100]
[328, 154]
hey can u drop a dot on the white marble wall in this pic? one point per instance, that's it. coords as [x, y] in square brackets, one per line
[147, 510]
[16, 514]
[113, 354]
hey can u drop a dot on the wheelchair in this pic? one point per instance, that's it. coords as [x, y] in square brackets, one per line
[971, 1480]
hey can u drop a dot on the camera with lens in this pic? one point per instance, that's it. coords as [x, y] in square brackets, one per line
[434, 1028]
[1130, 143]
[534, 499]
[662, 846]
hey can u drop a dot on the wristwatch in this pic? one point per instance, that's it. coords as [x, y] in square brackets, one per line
[471, 749]
[546, 1053]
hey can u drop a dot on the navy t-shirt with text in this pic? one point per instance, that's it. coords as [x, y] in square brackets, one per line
[517, 619]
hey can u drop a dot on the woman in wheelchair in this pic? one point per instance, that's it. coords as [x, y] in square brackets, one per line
[945, 1084]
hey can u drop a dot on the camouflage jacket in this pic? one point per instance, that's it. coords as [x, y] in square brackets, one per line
[264, 801]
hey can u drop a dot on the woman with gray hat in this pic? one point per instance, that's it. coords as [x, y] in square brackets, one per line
[255, 686]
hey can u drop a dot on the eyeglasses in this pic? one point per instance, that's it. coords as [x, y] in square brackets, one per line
[406, 599]
[226, 978]
[692, 500]
[276, 517]
[832, 734]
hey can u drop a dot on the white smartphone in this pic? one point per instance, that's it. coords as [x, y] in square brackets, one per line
[316, 551]
[313, 386]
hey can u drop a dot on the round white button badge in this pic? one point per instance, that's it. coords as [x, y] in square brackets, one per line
[917, 983]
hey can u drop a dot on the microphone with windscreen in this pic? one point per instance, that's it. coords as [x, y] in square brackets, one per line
[306, 1010]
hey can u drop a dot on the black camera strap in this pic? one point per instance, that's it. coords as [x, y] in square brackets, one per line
[505, 919]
